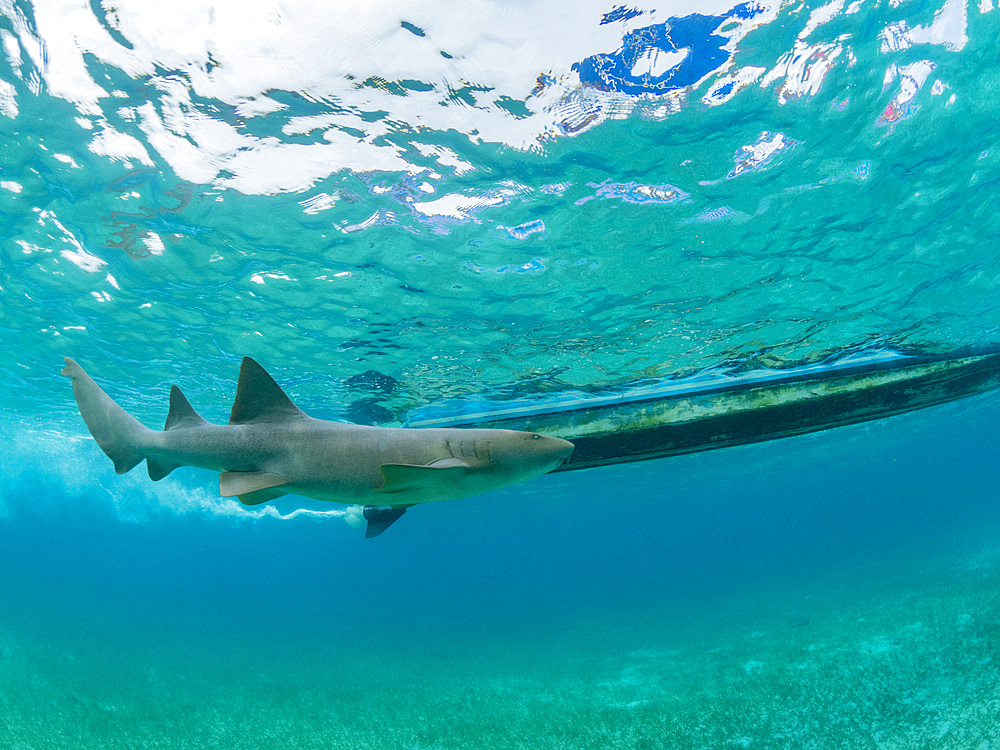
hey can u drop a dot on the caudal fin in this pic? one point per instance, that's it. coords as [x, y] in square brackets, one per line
[118, 433]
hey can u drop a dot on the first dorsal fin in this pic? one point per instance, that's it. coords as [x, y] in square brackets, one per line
[260, 399]
[181, 413]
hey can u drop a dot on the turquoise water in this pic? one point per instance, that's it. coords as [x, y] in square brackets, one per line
[395, 208]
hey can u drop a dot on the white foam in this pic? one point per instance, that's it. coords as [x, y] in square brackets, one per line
[655, 62]
[8, 100]
[949, 29]
[119, 146]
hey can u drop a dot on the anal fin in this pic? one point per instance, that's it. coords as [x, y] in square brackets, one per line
[158, 469]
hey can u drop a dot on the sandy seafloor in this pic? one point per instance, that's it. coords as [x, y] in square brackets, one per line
[837, 590]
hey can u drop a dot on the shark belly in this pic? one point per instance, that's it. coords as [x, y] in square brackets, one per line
[342, 463]
[358, 464]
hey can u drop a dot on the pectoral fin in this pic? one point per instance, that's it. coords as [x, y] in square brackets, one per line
[409, 477]
[249, 485]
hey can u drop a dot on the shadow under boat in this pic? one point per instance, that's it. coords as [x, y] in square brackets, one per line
[718, 410]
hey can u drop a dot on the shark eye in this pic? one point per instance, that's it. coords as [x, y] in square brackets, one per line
[536, 437]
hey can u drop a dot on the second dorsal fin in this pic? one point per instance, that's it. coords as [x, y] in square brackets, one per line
[260, 399]
[181, 413]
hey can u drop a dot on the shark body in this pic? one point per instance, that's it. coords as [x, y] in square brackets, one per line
[271, 448]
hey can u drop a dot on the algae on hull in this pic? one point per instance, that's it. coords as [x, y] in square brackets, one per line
[753, 410]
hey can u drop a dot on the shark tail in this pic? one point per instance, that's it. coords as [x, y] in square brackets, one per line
[120, 435]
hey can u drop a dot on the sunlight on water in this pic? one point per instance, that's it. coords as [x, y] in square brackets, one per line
[553, 197]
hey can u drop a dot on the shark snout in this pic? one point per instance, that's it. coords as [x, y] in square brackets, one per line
[561, 450]
[568, 449]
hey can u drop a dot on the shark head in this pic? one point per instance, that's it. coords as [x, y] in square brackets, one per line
[516, 456]
[478, 460]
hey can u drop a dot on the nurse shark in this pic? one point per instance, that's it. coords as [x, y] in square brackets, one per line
[271, 448]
